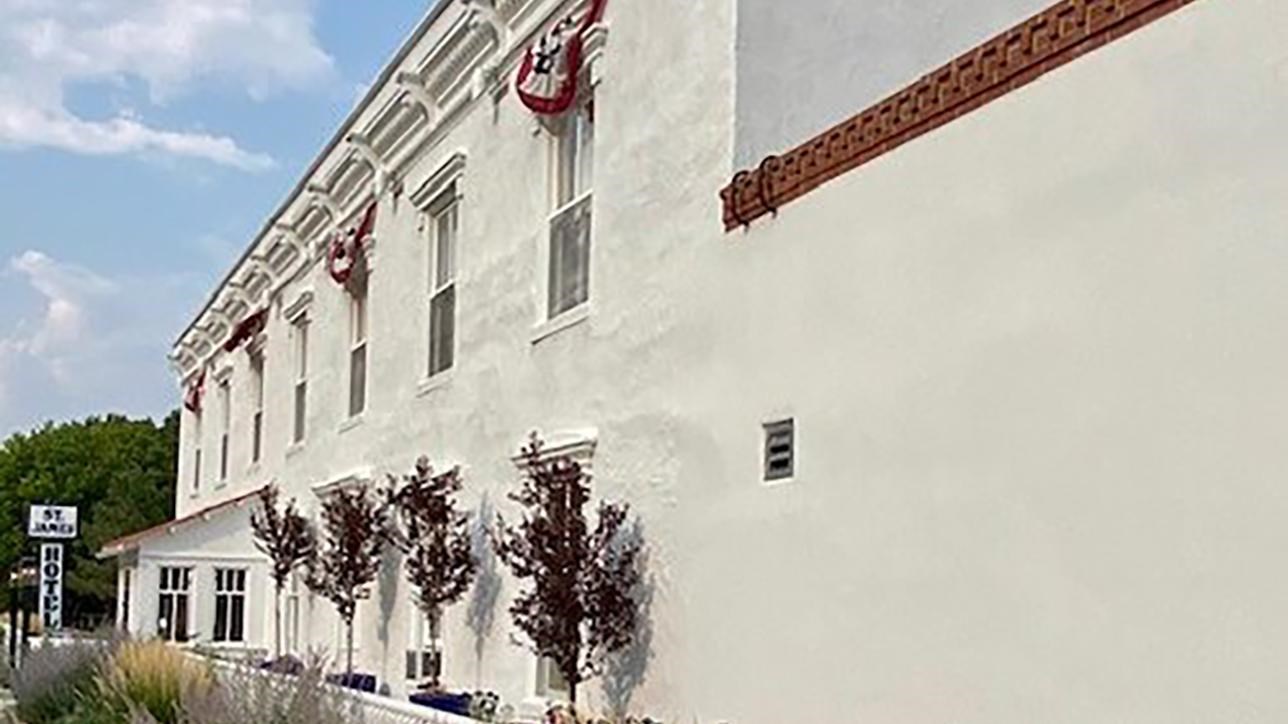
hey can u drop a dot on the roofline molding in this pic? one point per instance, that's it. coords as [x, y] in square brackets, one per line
[1010, 60]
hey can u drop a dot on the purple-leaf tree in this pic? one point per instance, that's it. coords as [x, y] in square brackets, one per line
[353, 534]
[287, 538]
[578, 605]
[435, 537]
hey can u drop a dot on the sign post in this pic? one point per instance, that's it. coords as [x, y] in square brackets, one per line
[48, 523]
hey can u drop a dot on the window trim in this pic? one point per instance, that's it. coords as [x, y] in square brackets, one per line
[226, 593]
[359, 342]
[581, 195]
[225, 394]
[167, 588]
[448, 201]
[299, 379]
[257, 367]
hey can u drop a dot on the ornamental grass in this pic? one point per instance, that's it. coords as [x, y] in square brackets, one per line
[153, 679]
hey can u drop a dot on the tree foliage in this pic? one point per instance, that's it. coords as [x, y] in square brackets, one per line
[354, 528]
[119, 472]
[579, 605]
[287, 538]
[435, 537]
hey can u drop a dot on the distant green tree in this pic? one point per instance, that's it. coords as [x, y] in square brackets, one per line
[119, 472]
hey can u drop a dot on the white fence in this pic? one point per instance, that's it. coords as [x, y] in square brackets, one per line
[376, 709]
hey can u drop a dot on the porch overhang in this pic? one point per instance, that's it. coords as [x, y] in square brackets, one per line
[131, 542]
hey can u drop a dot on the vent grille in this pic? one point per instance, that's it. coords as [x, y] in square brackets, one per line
[780, 450]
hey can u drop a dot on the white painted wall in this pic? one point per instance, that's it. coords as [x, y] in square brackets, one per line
[1036, 360]
[806, 66]
[656, 205]
[1032, 357]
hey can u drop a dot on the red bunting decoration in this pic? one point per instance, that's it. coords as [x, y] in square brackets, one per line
[249, 327]
[192, 396]
[345, 254]
[547, 80]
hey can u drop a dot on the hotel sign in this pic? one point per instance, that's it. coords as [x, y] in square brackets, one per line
[57, 522]
[51, 586]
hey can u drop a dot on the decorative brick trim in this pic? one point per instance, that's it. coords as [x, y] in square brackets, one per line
[1014, 58]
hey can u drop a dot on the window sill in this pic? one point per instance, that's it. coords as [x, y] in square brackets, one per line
[565, 320]
[437, 382]
[295, 448]
[352, 422]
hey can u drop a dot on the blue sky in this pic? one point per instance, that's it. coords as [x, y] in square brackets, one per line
[142, 143]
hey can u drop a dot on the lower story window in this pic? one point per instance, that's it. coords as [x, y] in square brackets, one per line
[172, 606]
[230, 605]
[126, 575]
[291, 628]
[550, 681]
[423, 659]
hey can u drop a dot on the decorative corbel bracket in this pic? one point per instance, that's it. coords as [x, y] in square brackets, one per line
[414, 86]
[322, 197]
[360, 143]
[483, 14]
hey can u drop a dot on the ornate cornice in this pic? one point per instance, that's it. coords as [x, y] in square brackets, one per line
[1016, 57]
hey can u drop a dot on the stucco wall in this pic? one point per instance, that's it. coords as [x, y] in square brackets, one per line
[655, 207]
[804, 66]
[1036, 360]
[1033, 360]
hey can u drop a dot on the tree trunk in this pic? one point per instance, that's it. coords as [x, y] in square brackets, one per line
[435, 680]
[348, 648]
[277, 618]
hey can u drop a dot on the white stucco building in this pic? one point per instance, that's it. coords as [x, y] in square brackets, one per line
[985, 424]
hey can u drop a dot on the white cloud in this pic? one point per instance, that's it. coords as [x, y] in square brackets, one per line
[66, 289]
[47, 46]
[79, 343]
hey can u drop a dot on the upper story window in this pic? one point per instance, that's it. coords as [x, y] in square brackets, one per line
[257, 409]
[358, 350]
[300, 342]
[574, 163]
[225, 422]
[445, 229]
[196, 452]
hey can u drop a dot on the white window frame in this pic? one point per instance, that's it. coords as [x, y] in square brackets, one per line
[291, 617]
[196, 452]
[175, 584]
[572, 175]
[359, 351]
[300, 379]
[257, 408]
[230, 588]
[550, 683]
[444, 220]
[225, 392]
[423, 645]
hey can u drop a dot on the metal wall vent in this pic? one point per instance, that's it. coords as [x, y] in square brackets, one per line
[780, 450]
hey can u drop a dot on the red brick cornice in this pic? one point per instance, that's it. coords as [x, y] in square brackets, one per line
[1010, 60]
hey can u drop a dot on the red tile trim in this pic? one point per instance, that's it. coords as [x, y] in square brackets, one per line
[1016, 57]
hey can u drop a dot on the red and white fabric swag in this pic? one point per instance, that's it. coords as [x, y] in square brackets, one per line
[547, 80]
